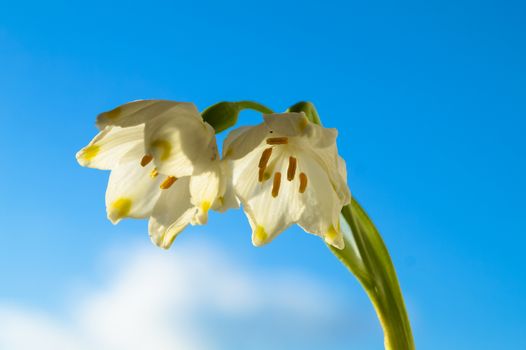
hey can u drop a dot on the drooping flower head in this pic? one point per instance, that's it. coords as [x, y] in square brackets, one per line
[164, 165]
[287, 170]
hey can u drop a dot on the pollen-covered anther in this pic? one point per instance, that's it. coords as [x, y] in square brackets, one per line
[265, 156]
[277, 140]
[261, 174]
[303, 182]
[263, 161]
[154, 173]
[276, 184]
[146, 160]
[291, 171]
[168, 182]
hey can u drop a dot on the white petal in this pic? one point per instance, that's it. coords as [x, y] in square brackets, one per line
[334, 166]
[132, 190]
[204, 192]
[320, 137]
[297, 125]
[244, 140]
[135, 113]
[172, 213]
[180, 141]
[322, 204]
[270, 207]
[287, 124]
[227, 196]
[109, 146]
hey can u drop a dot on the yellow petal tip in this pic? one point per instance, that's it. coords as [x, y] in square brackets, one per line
[333, 237]
[259, 236]
[205, 206]
[120, 209]
[87, 154]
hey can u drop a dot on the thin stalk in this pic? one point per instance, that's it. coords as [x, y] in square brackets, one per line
[254, 106]
[366, 256]
[377, 275]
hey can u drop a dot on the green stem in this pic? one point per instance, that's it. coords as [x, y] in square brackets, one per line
[254, 106]
[223, 115]
[375, 271]
[366, 256]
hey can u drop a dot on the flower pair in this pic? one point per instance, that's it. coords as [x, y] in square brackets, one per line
[166, 167]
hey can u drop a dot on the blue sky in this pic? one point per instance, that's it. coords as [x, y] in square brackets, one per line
[428, 98]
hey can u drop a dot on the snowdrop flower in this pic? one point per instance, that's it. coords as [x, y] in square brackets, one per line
[287, 170]
[164, 165]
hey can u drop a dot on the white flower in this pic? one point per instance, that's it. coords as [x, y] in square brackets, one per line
[287, 170]
[164, 165]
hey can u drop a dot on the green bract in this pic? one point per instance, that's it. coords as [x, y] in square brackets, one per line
[223, 115]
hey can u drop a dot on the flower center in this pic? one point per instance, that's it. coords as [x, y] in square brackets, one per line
[291, 170]
[167, 183]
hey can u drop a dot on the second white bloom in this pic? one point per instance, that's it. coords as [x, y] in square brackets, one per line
[287, 170]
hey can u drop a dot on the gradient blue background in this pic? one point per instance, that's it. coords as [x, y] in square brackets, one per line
[428, 97]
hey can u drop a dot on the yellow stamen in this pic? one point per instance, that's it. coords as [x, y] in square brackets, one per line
[168, 182]
[303, 182]
[164, 147]
[154, 173]
[90, 152]
[263, 161]
[120, 208]
[291, 171]
[277, 140]
[146, 160]
[260, 235]
[276, 184]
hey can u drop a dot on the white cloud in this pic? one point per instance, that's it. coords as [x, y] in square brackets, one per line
[196, 298]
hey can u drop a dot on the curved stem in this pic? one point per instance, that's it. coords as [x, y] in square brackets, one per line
[254, 106]
[366, 256]
[223, 115]
[375, 271]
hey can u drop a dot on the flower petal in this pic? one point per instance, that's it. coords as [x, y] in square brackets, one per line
[271, 204]
[180, 141]
[133, 189]
[135, 113]
[109, 146]
[204, 192]
[323, 205]
[244, 140]
[287, 124]
[227, 197]
[172, 213]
